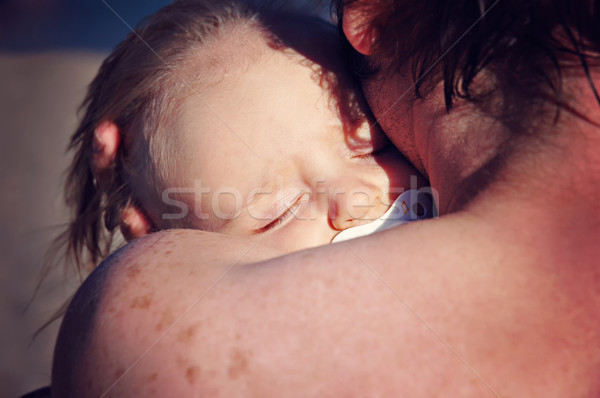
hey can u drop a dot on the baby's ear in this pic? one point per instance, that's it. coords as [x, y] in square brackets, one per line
[105, 145]
[358, 30]
[134, 223]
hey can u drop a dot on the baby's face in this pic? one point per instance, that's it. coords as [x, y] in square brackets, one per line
[269, 159]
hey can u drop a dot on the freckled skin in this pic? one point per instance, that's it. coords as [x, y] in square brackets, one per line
[159, 320]
[239, 363]
[167, 318]
[133, 270]
[186, 336]
[332, 330]
[191, 374]
[142, 302]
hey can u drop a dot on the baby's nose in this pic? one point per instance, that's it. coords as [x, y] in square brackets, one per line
[357, 207]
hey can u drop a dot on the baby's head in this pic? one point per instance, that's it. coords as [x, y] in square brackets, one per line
[226, 116]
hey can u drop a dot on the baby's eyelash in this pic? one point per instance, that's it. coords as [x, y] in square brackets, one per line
[371, 153]
[289, 212]
[367, 155]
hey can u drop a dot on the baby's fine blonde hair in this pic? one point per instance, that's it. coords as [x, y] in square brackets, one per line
[138, 88]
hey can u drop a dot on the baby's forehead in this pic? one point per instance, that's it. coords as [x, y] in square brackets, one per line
[216, 66]
[303, 39]
[226, 55]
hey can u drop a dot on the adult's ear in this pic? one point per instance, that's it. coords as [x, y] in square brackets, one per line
[358, 30]
[134, 223]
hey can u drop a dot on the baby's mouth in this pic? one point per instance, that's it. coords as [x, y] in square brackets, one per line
[412, 205]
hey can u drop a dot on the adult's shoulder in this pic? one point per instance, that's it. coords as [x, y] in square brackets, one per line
[396, 313]
[133, 297]
[183, 311]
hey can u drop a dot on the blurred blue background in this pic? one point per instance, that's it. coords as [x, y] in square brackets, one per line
[33, 25]
[49, 52]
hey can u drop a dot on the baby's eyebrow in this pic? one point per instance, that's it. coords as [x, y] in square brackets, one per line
[264, 187]
[262, 199]
[257, 200]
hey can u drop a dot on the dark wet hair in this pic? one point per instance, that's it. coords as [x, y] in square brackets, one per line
[527, 44]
